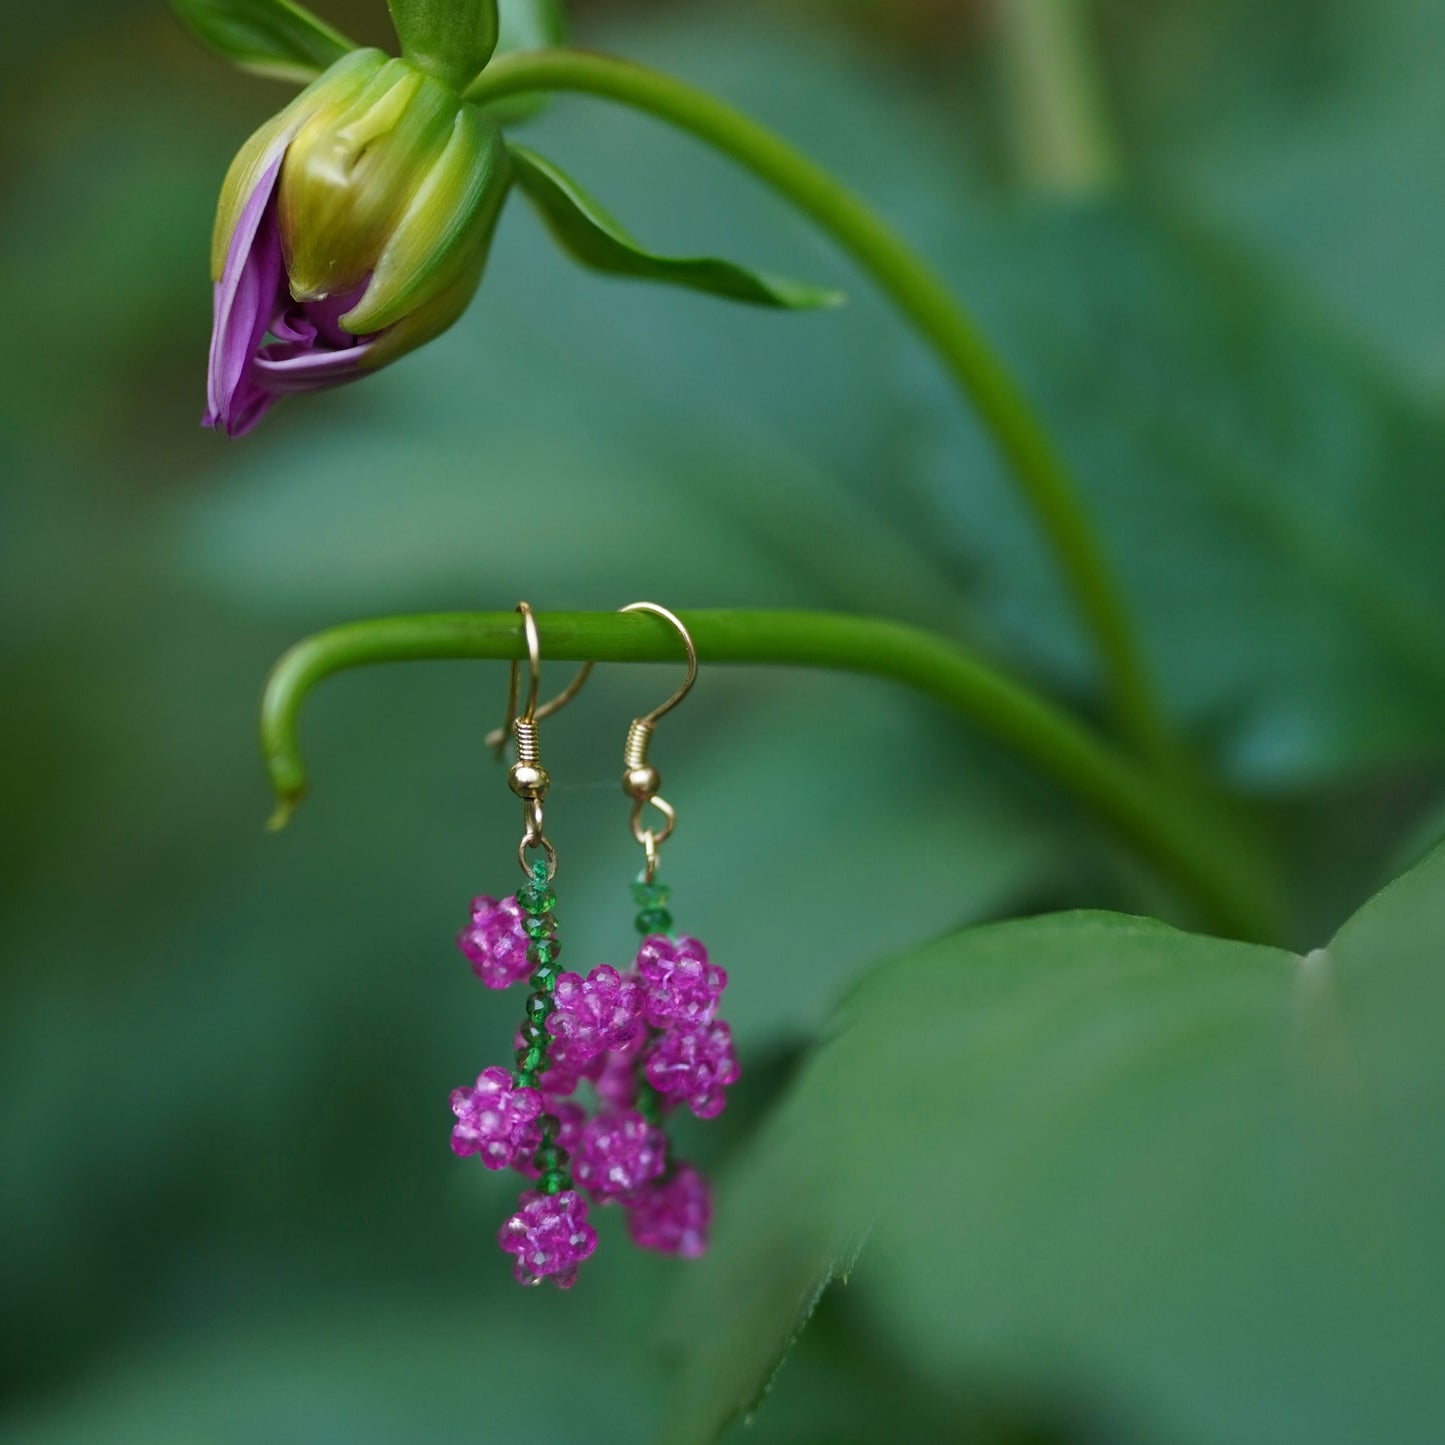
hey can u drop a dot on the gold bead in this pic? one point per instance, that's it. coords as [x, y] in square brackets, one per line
[642, 783]
[528, 780]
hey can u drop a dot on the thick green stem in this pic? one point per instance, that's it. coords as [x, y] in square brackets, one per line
[1217, 866]
[924, 299]
[1054, 101]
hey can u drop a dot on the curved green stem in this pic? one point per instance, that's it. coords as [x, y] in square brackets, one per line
[1182, 835]
[924, 299]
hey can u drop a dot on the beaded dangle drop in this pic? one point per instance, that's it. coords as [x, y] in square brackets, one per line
[644, 1042]
[686, 1056]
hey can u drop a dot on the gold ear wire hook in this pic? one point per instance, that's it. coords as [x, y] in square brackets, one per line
[497, 738]
[528, 778]
[675, 622]
[640, 780]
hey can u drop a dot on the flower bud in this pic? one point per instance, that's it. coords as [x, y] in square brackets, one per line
[352, 228]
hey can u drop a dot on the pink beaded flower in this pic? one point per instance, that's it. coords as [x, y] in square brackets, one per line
[495, 1120]
[694, 1066]
[618, 1154]
[550, 1236]
[601, 1012]
[672, 1216]
[494, 943]
[570, 1117]
[679, 985]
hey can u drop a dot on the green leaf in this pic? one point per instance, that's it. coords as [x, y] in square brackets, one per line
[1270, 492]
[1195, 1183]
[591, 236]
[268, 37]
[451, 39]
[1319, 153]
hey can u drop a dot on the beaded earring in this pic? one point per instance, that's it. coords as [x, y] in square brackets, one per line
[508, 1119]
[644, 1041]
[685, 1055]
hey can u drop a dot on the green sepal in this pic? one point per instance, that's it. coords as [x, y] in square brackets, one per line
[341, 83]
[450, 39]
[588, 234]
[432, 317]
[447, 221]
[352, 170]
[267, 37]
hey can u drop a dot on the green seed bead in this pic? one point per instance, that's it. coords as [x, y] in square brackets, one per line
[539, 872]
[544, 950]
[554, 1182]
[524, 1079]
[534, 1034]
[539, 1006]
[530, 1060]
[654, 920]
[550, 1126]
[650, 895]
[538, 927]
[544, 977]
[549, 1159]
[535, 900]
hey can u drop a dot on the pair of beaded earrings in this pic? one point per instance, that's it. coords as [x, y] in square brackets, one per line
[645, 1042]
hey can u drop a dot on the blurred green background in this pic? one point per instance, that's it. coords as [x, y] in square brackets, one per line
[230, 1210]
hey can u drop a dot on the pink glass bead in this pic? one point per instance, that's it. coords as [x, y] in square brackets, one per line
[550, 1236]
[601, 1012]
[679, 985]
[494, 943]
[616, 1084]
[672, 1215]
[618, 1154]
[571, 1117]
[495, 1120]
[564, 1072]
[693, 1065]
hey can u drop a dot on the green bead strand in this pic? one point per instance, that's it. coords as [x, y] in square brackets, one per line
[549, 1159]
[536, 901]
[544, 977]
[650, 895]
[651, 900]
[653, 916]
[654, 920]
[544, 950]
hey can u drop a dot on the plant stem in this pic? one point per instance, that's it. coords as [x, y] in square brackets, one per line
[924, 300]
[1056, 108]
[1182, 835]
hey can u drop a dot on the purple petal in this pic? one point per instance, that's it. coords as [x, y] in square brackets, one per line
[244, 300]
[249, 403]
[308, 370]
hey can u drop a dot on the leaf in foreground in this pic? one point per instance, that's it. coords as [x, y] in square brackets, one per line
[1192, 1182]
